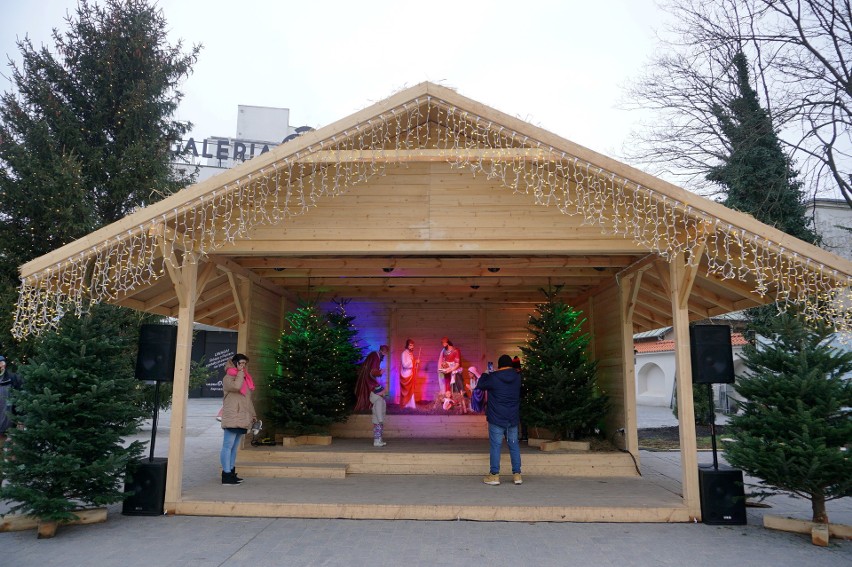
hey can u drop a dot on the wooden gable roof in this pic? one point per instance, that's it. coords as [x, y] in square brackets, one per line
[430, 196]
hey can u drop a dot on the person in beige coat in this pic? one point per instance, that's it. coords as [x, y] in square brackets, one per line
[238, 414]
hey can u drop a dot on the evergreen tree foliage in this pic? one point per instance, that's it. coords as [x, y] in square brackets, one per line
[559, 389]
[77, 409]
[346, 353]
[85, 137]
[700, 404]
[796, 423]
[756, 175]
[86, 132]
[310, 388]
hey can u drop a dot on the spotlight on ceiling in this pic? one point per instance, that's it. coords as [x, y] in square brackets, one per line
[387, 270]
[474, 287]
[493, 270]
[599, 268]
[279, 269]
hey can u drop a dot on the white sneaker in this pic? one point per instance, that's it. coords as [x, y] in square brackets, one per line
[378, 443]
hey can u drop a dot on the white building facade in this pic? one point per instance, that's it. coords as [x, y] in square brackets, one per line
[259, 129]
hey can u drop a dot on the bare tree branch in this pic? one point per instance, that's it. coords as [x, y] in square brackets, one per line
[800, 53]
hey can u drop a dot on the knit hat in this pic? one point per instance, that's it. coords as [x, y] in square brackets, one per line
[505, 361]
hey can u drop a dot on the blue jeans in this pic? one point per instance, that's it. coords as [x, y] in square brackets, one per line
[228, 454]
[495, 440]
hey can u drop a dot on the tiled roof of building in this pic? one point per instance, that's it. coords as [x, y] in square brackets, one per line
[737, 339]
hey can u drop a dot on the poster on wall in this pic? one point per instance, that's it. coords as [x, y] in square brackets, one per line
[215, 348]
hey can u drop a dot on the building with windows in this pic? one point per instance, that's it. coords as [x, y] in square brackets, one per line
[259, 129]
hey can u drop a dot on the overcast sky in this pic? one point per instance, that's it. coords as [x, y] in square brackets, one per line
[559, 65]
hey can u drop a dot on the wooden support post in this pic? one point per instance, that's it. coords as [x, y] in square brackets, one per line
[680, 285]
[629, 290]
[186, 290]
[482, 364]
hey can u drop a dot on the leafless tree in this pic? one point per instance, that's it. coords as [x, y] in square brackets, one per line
[801, 57]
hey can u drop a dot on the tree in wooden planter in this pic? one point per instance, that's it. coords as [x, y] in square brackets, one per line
[77, 407]
[795, 424]
[310, 388]
[559, 391]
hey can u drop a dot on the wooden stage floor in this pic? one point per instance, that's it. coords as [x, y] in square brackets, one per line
[562, 497]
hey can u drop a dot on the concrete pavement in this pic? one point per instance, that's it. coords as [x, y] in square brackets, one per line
[258, 542]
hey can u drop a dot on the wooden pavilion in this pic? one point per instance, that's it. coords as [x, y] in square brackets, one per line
[440, 215]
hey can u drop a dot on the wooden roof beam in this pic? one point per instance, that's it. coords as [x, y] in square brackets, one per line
[640, 321]
[433, 262]
[227, 265]
[656, 296]
[429, 155]
[640, 265]
[142, 306]
[402, 273]
[507, 283]
[651, 318]
[215, 307]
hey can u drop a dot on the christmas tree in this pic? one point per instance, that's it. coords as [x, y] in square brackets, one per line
[346, 352]
[77, 408]
[796, 421]
[310, 389]
[86, 134]
[559, 390]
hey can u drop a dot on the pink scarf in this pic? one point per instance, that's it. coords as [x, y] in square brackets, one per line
[248, 383]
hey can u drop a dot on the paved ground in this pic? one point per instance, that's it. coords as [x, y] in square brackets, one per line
[200, 541]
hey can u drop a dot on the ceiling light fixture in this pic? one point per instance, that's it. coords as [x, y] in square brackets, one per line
[493, 270]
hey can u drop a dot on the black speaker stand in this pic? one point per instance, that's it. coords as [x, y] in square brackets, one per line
[157, 414]
[712, 426]
[148, 486]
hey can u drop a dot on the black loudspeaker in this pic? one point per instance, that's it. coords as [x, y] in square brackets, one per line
[712, 358]
[156, 358]
[722, 496]
[147, 481]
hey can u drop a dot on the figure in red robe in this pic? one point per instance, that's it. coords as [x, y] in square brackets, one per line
[368, 375]
[449, 365]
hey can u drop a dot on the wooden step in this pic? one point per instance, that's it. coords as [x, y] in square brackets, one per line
[360, 426]
[292, 470]
[444, 457]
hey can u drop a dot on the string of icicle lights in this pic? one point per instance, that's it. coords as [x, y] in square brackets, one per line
[293, 185]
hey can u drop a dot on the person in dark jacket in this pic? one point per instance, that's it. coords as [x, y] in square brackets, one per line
[8, 381]
[503, 413]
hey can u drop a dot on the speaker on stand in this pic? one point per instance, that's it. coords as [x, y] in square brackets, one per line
[721, 488]
[146, 480]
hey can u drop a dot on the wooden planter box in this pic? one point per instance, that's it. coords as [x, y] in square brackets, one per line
[819, 532]
[288, 441]
[551, 445]
[16, 522]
